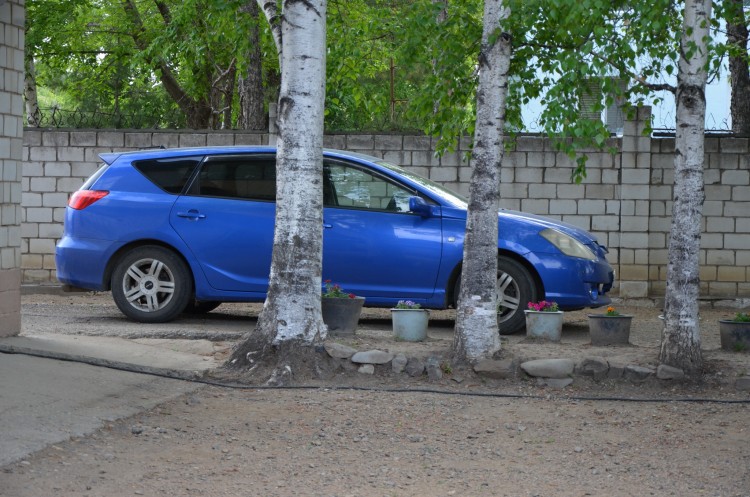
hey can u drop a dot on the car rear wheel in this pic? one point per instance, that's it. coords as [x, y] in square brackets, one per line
[515, 289]
[151, 285]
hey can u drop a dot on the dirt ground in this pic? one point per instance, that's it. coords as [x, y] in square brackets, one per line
[393, 435]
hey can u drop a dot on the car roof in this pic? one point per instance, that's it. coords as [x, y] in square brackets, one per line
[152, 153]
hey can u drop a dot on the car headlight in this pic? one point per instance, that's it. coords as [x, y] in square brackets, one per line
[567, 244]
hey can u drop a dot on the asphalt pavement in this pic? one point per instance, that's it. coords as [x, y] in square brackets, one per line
[54, 388]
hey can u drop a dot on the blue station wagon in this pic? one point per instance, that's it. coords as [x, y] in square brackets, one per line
[183, 230]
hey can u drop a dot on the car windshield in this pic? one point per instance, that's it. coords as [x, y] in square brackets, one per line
[449, 196]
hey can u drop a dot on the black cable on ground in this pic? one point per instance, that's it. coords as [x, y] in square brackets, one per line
[194, 377]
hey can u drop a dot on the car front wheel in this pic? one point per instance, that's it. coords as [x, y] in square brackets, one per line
[515, 289]
[151, 285]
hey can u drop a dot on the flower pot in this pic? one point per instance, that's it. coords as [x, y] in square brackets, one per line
[735, 335]
[410, 324]
[609, 330]
[341, 315]
[544, 324]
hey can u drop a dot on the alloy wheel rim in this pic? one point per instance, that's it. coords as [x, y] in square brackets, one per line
[508, 297]
[148, 285]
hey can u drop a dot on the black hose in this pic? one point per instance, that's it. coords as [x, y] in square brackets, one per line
[194, 377]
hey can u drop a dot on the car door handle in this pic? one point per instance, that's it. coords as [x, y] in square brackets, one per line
[191, 214]
[327, 226]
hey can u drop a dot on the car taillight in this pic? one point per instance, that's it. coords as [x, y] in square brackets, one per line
[83, 198]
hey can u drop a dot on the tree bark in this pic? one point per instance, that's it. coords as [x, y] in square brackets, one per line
[680, 342]
[737, 34]
[250, 87]
[197, 112]
[291, 317]
[274, 21]
[33, 114]
[476, 333]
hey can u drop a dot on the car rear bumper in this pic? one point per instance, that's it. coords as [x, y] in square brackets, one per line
[82, 262]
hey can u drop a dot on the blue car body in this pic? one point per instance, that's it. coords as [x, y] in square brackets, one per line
[374, 245]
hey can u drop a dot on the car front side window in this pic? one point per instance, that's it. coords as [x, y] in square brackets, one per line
[349, 186]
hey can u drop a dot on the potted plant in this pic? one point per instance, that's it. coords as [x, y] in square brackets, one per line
[735, 333]
[410, 321]
[610, 328]
[544, 320]
[340, 309]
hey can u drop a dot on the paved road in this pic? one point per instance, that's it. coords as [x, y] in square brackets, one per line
[46, 401]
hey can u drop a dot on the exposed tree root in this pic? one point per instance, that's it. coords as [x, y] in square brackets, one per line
[255, 361]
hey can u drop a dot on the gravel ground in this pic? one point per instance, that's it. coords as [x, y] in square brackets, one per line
[470, 436]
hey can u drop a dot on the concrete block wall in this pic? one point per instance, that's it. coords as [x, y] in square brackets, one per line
[11, 133]
[625, 200]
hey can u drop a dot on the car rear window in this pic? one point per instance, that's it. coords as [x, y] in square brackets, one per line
[171, 175]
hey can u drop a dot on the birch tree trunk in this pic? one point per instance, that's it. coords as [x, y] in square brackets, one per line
[291, 323]
[476, 333]
[33, 114]
[680, 341]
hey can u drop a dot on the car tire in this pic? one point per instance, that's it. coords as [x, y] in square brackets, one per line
[200, 307]
[151, 284]
[515, 289]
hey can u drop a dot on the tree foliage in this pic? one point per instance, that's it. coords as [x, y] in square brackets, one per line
[149, 58]
[614, 52]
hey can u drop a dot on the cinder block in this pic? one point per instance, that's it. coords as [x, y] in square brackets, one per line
[57, 169]
[388, 142]
[110, 139]
[736, 209]
[165, 139]
[218, 139]
[731, 145]
[415, 142]
[633, 289]
[251, 139]
[443, 174]
[398, 157]
[137, 140]
[43, 154]
[55, 139]
[735, 178]
[543, 191]
[360, 142]
[54, 199]
[337, 142]
[82, 138]
[193, 140]
[529, 175]
[530, 144]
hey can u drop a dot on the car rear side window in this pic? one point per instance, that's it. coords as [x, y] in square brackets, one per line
[171, 175]
[245, 177]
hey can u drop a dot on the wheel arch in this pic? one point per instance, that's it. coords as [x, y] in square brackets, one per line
[456, 274]
[112, 263]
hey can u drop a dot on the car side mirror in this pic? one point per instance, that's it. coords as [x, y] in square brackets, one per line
[417, 205]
